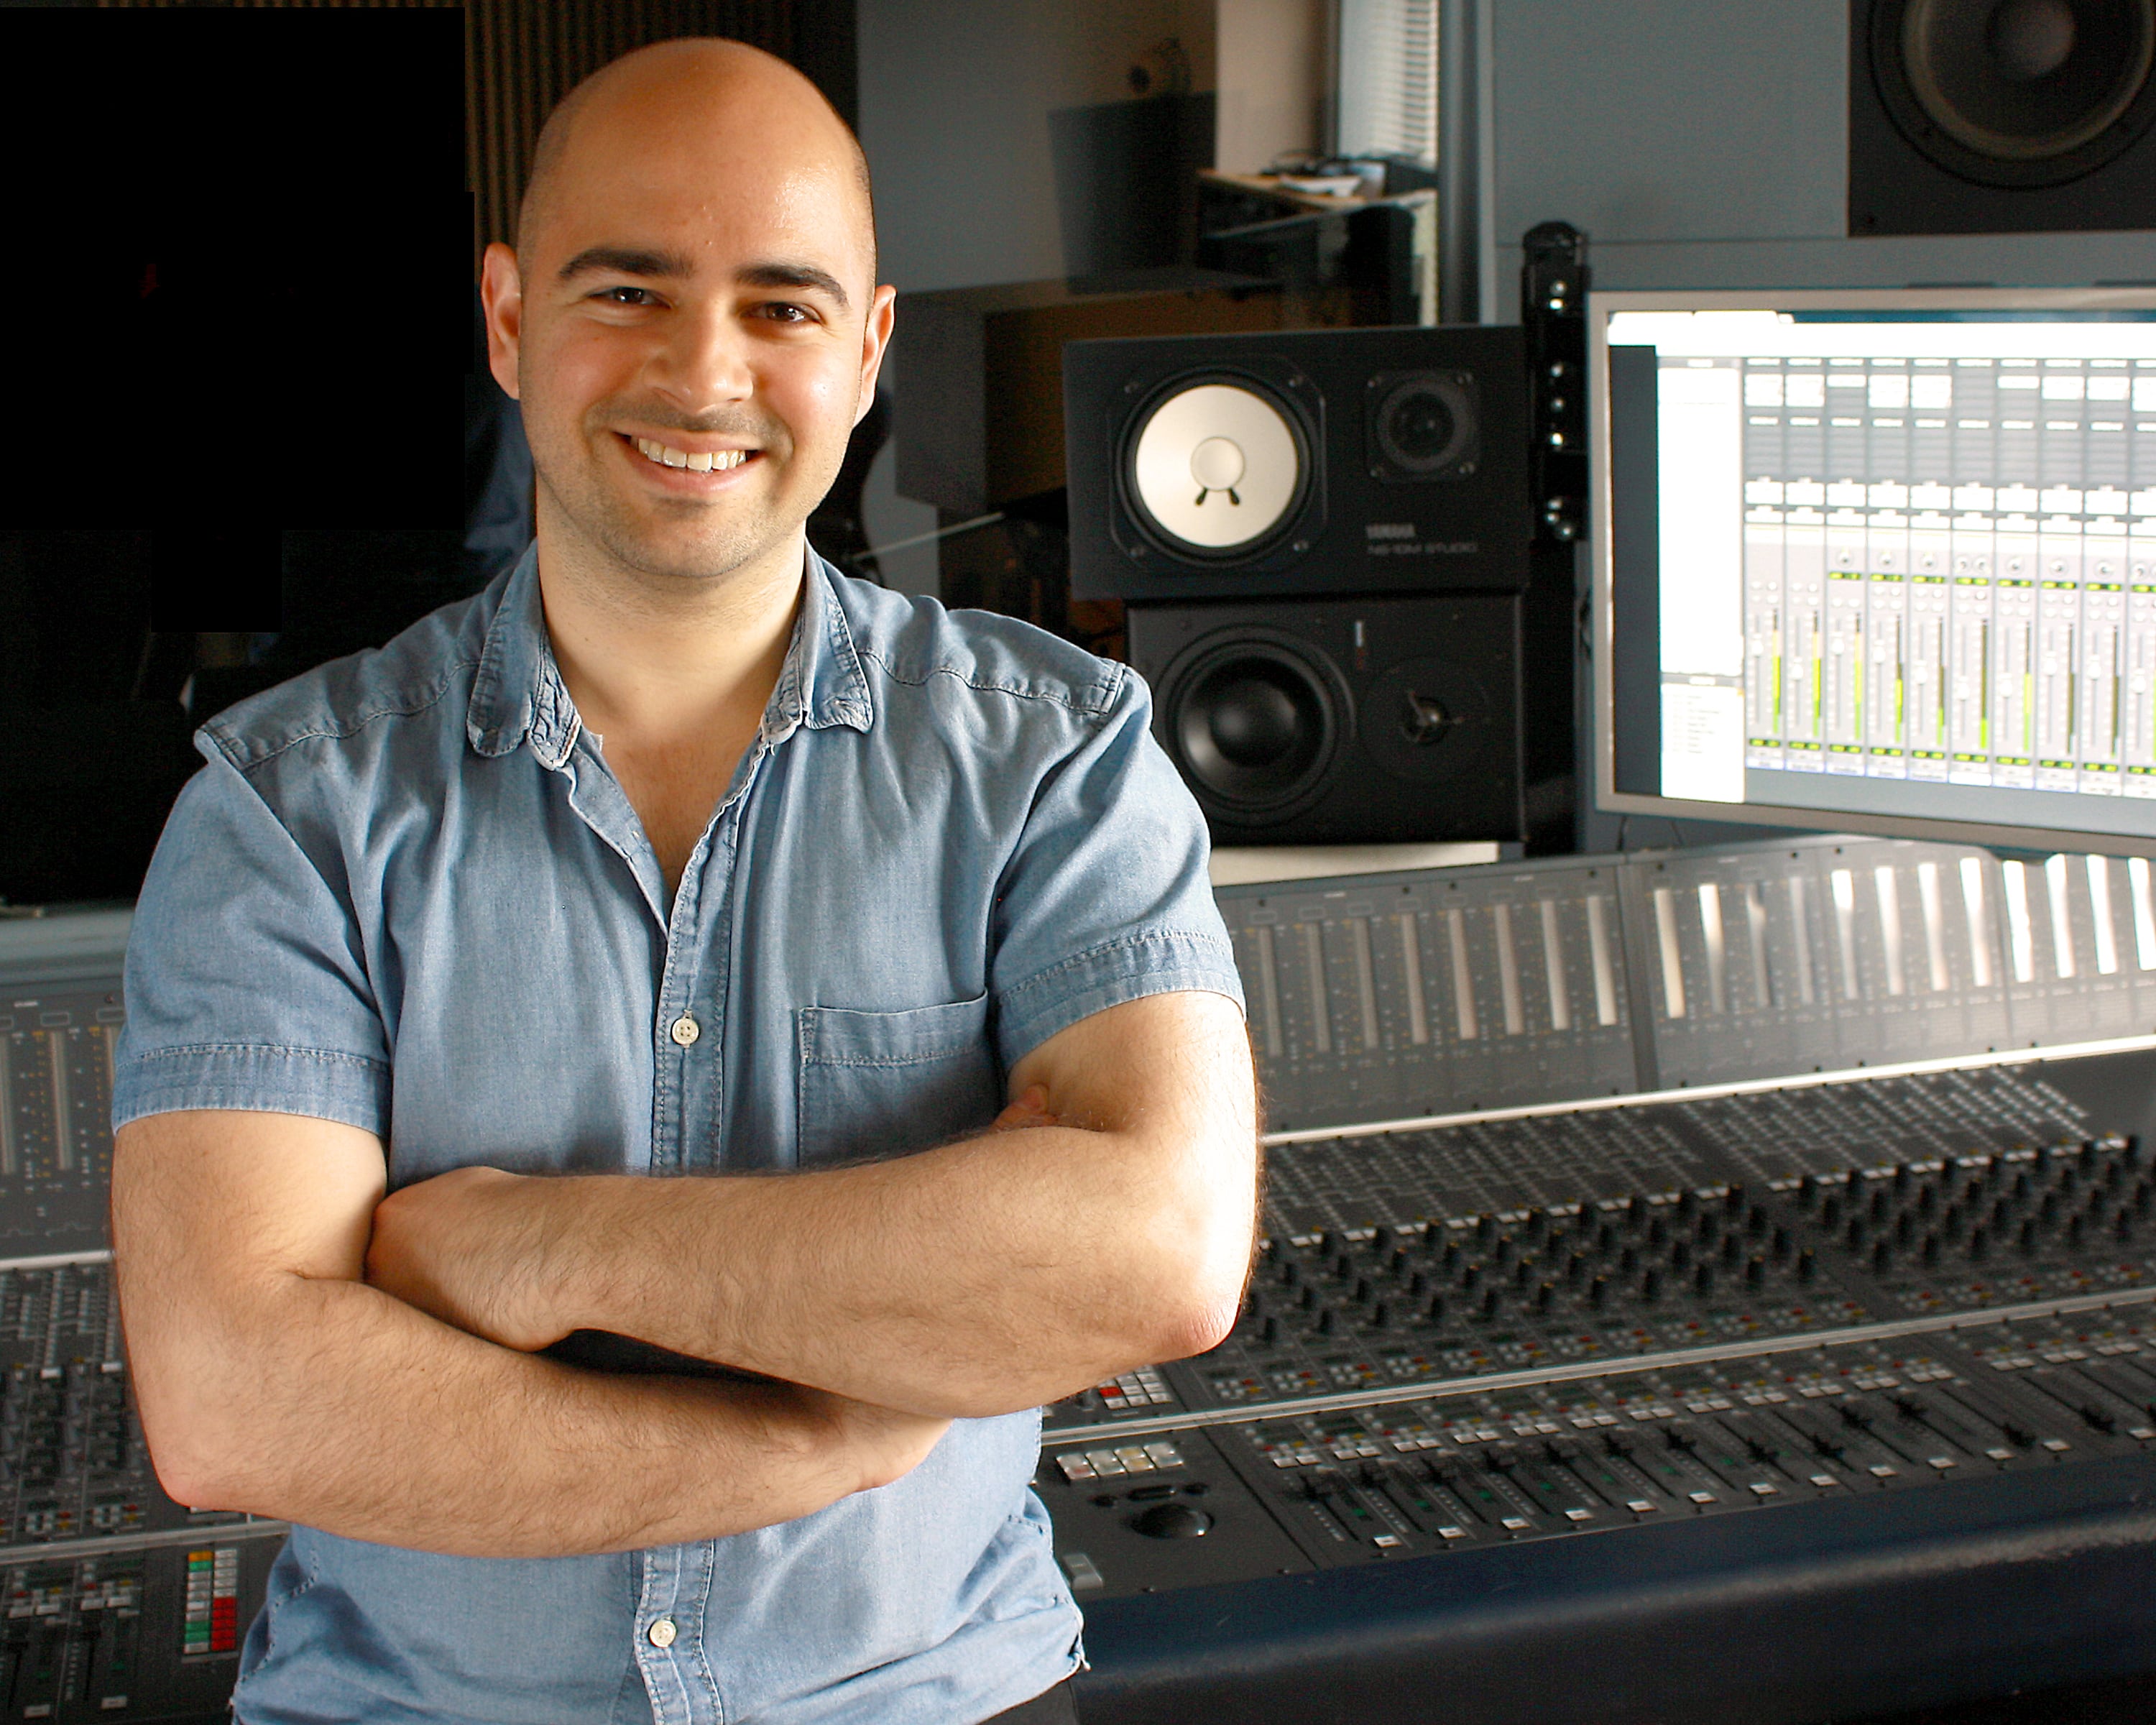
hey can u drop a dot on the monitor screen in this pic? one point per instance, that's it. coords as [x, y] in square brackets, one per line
[1881, 561]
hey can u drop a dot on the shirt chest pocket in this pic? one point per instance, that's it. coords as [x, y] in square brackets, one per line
[876, 1084]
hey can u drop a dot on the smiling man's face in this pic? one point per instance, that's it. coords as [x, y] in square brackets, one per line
[696, 327]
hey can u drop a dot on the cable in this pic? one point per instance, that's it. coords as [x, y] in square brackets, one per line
[954, 529]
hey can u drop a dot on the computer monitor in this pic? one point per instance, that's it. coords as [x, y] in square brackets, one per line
[1878, 560]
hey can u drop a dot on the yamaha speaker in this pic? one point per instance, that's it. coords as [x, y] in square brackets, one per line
[1969, 117]
[1369, 721]
[1275, 465]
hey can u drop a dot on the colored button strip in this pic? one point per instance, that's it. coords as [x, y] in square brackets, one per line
[212, 1619]
[1107, 1464]
[1143, 1387]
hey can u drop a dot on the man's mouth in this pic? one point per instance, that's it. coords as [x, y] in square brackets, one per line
[701, 461]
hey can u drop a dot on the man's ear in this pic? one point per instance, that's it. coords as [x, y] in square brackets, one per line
[876, 342]
[501, 298]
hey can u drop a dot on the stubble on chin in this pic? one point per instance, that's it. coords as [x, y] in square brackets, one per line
[658, 540]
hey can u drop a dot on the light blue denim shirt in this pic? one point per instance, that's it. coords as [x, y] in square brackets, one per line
[406, 893]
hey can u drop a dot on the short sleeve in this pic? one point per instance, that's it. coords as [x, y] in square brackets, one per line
[246, 986]
[1106, 897]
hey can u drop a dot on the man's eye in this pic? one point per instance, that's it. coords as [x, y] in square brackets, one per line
[608, 295]
[784, 313]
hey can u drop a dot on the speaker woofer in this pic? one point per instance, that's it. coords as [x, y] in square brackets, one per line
[1255, 722]
[2017, 93]
[1217, 467]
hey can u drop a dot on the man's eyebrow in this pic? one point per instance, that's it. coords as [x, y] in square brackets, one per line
[624, 260]
[636, 260]
[793, 275]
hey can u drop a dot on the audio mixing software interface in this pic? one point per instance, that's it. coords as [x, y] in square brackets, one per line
[1907, 561]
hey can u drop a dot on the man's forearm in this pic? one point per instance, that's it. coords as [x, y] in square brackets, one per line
[358, 1415]
[977, 1279]
[980, 1278]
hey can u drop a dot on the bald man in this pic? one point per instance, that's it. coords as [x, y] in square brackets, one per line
[680, 956]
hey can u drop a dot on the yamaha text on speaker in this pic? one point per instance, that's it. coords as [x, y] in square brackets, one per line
[1368, 720]
[1263, 466]
[1987, 116]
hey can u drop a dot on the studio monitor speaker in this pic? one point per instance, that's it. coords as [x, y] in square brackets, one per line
[1264, 466]
[1365, 721]
[1969, 117]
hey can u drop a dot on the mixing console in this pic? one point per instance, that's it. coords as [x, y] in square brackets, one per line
[1437, 1473]
[1583, 1215]
[72, 1461]
[135, 1631]
[1617, 1314]
[120, 1604]
[1510, 1244]
[56, 1046]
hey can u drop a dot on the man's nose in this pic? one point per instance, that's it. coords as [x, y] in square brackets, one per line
[707, 361]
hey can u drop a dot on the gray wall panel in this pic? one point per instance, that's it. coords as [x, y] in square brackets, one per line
[1667, 120]
[1705, 146]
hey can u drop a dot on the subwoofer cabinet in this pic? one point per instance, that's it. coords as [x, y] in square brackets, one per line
[1341, 720]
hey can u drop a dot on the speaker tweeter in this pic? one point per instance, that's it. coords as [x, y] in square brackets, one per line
[1423, 426]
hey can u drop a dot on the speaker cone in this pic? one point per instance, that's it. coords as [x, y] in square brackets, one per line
[1217, 467]
[1255, 722]
[2017, 92]
[1424, 425]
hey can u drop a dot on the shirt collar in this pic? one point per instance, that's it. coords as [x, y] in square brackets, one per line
[518, 694]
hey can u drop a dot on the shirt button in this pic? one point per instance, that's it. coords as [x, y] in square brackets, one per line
[685, 1030]
[661, 1632]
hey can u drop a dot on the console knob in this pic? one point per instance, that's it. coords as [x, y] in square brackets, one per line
[1172, 1520]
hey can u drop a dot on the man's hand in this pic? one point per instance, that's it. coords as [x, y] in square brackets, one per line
[885, 1443]
[469, 1247]
[1030, 1109]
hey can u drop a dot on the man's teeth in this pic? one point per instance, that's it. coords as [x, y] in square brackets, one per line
[712, 461]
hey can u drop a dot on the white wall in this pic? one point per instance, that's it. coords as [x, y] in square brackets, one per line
[1273, 58]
